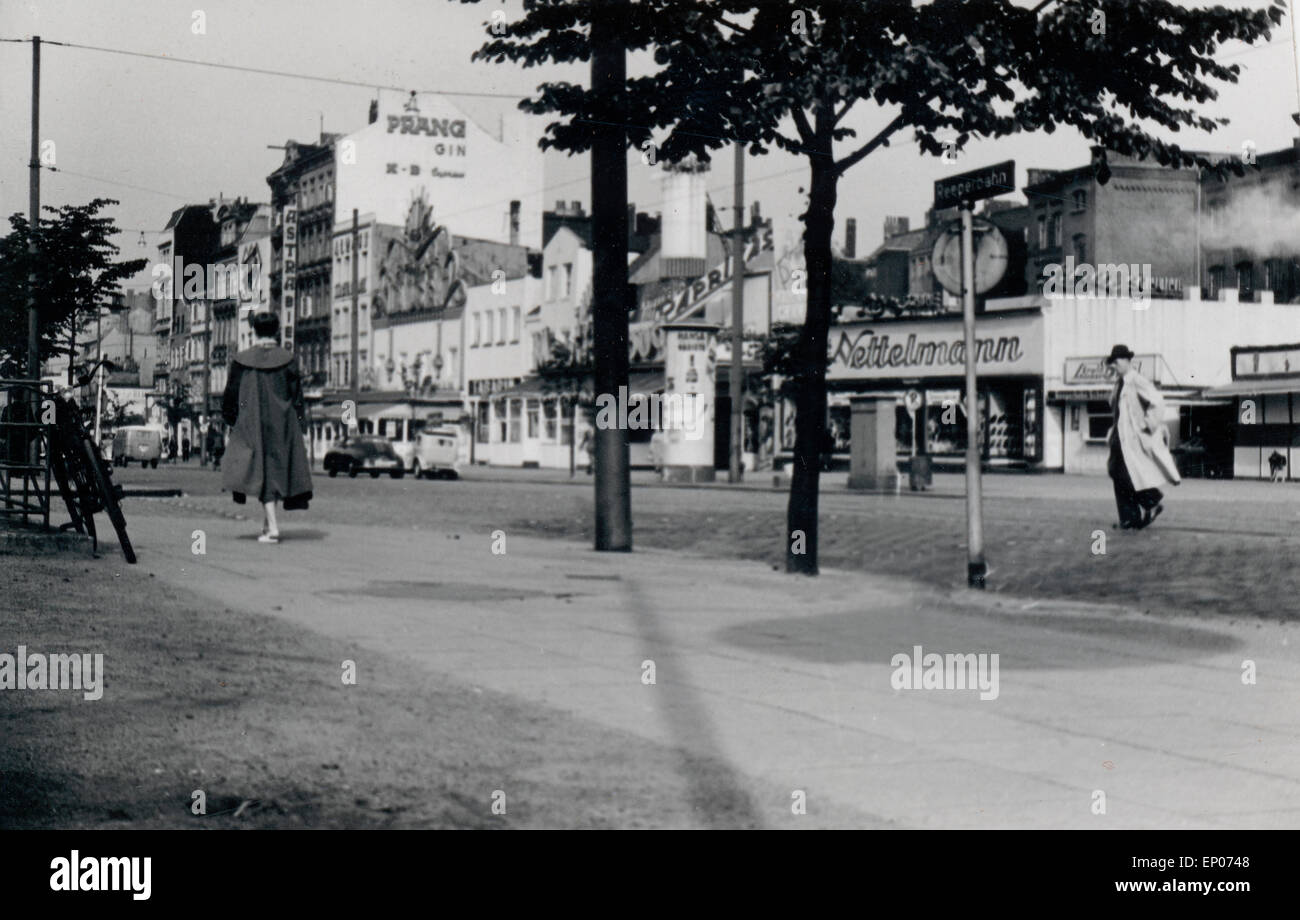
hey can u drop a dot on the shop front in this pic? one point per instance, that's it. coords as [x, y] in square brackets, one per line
[920, 362]
[1264, 416]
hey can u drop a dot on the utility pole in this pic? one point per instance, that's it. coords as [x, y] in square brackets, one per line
[737, 470]
[34, 218]
[356, 326]
[609, 273]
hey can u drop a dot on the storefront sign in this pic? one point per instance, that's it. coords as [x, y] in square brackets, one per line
[289, 254]
[1085, 371]
[690, 301]
[1265, 362]
[886, 350]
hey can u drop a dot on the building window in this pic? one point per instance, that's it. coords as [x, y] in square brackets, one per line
[516, 422]
[484, 423]
[568, 279]
[550, 420]
[1099, 420]
[552, 284]
[1080, 200]
[1080, 249]
[501, 334]
[1042, 232]
[533, 411]
[500, 407]
[478, 328]
[566, 422]
[487, 340]
[1214, 282]
[1245, 281]
[514, 325]
[1054, 231]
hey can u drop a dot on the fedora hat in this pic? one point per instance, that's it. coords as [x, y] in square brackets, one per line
[1119, 351]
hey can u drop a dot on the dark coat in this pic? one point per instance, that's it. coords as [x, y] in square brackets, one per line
[263, 407]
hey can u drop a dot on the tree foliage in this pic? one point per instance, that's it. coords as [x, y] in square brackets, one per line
[75, 271]
[772, 74]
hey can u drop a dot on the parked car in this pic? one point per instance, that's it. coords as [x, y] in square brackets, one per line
[364, 453]
[437, 454]
[137, 442]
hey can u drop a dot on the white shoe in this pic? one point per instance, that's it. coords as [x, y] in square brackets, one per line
[269, 538]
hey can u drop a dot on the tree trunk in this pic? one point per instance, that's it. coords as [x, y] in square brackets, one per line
[810, 396]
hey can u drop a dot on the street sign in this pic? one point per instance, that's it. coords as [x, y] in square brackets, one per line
[912, 400]
[991, 257]
[972, 186]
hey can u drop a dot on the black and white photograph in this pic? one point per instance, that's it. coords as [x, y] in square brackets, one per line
[872, 415]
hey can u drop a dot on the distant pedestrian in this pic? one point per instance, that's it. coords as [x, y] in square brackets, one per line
[588, 447]
[171, 450]
[264, 411]
[1139, 461]
[216, 446]
[185, 450]
[1277, 467]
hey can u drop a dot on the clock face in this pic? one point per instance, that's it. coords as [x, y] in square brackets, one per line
[991, 257]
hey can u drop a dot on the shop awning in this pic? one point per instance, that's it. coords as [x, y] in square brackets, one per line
[1256, 387]
[384, 410]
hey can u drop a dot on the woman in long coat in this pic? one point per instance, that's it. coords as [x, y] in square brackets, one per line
[1140, 461]
[263, 407]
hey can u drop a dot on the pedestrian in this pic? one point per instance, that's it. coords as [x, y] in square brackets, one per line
[264, 413]
[185, 450]
[588, 447]
[1277, 467]
[1140, 461]
[216, 446]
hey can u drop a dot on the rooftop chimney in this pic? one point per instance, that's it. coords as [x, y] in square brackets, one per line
[894, 226]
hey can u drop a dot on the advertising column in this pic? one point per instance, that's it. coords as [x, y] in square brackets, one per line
[690, 361]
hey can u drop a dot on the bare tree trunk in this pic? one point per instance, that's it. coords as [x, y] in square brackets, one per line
[810, 396]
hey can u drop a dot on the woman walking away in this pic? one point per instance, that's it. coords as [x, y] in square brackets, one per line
[263, 408]
[1140, 461]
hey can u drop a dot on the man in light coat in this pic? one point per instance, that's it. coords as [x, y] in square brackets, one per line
[1140, 461]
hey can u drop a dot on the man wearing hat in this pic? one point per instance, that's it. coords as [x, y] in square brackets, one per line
[1140, 461]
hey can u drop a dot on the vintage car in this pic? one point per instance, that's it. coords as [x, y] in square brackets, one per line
[363, 453]
[437, 454]
[137, 442]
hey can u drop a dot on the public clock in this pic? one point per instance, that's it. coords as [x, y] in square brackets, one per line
[991, 257]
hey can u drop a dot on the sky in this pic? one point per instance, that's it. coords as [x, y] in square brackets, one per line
[156, 134]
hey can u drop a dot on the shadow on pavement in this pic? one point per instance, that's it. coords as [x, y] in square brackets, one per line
[874, 637]
[716, 790]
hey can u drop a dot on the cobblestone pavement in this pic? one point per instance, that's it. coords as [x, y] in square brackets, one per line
[1222, 548]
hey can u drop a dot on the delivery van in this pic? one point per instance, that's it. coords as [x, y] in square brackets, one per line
[137, 442]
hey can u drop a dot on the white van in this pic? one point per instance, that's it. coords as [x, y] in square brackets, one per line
[437, 454]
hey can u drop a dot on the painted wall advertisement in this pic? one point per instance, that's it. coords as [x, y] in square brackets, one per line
[468, 164]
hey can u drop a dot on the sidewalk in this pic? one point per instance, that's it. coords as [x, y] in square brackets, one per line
[788, 679]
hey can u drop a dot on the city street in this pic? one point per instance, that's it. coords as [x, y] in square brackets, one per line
[1221, 549]
[765, 686]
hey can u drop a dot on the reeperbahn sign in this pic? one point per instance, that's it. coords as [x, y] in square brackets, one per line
[972, 186]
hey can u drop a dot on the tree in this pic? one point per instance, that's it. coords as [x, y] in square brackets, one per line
[75, 274]
[777, 74]
[567, 372]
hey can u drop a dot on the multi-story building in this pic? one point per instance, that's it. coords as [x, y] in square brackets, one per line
[255, 287]
[235, 220]
[186, 250]
[302, 204]
[1250, 230]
